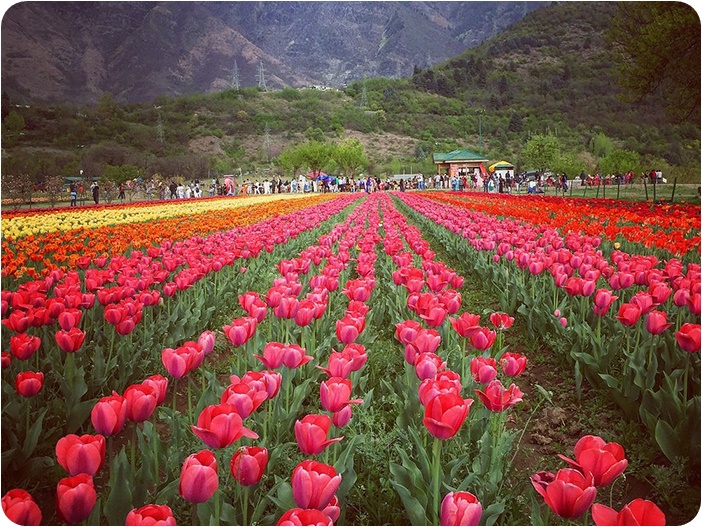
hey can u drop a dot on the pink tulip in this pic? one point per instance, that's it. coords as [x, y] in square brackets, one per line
[314, 484]
[483, 369]
[198, 477]
[513, 364]
[311, 434]
[219, 425]
[248, 464]
[460, 508]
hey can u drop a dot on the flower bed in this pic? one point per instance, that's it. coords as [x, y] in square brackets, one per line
[277, 370]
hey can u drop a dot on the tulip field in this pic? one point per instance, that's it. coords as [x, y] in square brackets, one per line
[351, 359]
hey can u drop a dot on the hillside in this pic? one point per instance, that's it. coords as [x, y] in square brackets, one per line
[71, 52]
[550, 72]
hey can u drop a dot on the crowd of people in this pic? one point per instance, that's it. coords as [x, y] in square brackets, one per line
[498, 182]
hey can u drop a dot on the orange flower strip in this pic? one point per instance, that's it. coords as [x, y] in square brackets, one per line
[36, 255]
[673, 227]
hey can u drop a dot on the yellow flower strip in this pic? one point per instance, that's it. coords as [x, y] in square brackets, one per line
[37, 255]
[68, 219]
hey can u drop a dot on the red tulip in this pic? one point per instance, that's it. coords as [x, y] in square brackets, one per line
[460, 508]
[198, 477]
[151, 515]
[29, 383]
[332, 510]
[445, 413]
[311, 434]
[660, 292]
[69, 318]
[346, 330]
[501, 320]
[629, 314]
[70, 341]
[568, 493]
[314, 484]
[483, 369]
[272, 355]
[295, 356]
[434, 315]
[427, 365]
[207, 340]
[343, 416]
[287, 307]
[245, 398]
[335, 393]
[75, 498]
[496, 398]
[240, 330]
[693, 303]
[603, 300]
[512, 364]
[178, 362]
[636, 512]
[140, 400]
[339, 365]
[272, 380]
[81, 454]
[18, 321]
[656, 322]
[407, 331]
[20, 508]
[427, 341]
[688, 337]
[248, 464]
[160, 384]
[219, 425]
[358, 355]
[304, 517]
[6, 359]
[605, 461]
[482, 338]
[109, 414]
[23, 346]
[305, 312]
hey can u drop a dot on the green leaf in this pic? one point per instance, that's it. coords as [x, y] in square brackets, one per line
[119, 501]
[416, 512]
[30, 442]
[668, 440]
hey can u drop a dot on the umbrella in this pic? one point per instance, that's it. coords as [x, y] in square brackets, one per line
[501, 165]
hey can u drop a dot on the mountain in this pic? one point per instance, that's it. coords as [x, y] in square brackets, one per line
[74, 51]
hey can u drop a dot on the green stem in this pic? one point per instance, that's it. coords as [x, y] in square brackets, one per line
[133, 445]
[687, 368]
[175, 393]
[217, 505]
[190, 403]
[246, 505]
[437, 483]
[154, 440]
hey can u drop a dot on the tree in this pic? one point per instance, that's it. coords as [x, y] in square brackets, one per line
[54, 187]
[290, 159]
[316, 155]
[349, 156]
[541, 151]
[657, 45]
[569, 162]
[601, 145]
[14, 122]
[620, 161]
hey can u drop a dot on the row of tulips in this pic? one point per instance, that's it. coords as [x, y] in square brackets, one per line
[599, 304]
[570, 492]
[673, 227]
[34, 256]
[188, 349]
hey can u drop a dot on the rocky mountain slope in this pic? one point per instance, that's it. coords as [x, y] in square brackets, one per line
[75, 51]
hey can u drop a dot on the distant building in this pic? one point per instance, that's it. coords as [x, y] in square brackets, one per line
[459, 162]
